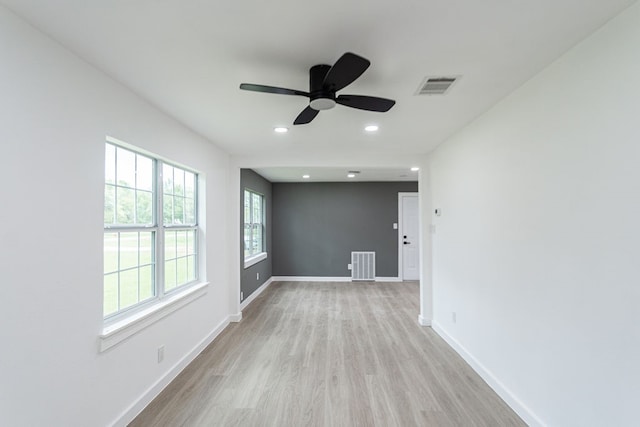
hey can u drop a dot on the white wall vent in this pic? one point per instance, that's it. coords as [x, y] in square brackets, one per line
[436, 85]
[363, 266]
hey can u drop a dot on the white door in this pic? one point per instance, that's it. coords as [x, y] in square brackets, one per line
[409, 239]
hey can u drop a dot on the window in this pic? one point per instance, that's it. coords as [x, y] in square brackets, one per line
[254, 244]
[150, 236]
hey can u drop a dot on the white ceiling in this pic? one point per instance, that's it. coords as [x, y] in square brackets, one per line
[320, 174]
[187, 57]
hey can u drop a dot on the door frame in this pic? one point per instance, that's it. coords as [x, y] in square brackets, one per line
[402, 194]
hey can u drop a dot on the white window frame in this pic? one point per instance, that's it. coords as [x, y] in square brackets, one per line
[254, 258]
[128, 321]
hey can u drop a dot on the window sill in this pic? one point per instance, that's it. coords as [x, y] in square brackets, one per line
[248, 262]
[117, 332]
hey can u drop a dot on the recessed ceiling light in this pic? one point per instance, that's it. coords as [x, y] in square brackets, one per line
[371, 128]
[306, 176]
[415, 169]
[281, 129]
[351, 175]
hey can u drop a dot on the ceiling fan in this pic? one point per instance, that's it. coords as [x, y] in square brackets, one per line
[324, 82]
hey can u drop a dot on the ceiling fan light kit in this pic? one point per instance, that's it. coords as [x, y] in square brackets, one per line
[324, 82]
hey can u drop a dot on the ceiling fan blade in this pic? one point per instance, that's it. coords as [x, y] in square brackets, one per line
[272, 89]
[369, 103]
[346, 69]
[306, 116]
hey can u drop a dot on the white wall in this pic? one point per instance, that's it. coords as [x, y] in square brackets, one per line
[425, 318]
[538, 246]
[55, 111]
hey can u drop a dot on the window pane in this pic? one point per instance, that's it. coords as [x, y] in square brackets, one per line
[128, 288]
[170, 275]
[110, 252]
[257, 209]
[146, 283]
[247, 206]
[110, 164]
[144, 207]
[125, 167]
[144, 204]
[189, 185]
[167, 178]
[257, 238]
[178, 210]
[178, 182]
[125, 206]
[110, 293]
[191, 242]
[247, 240]
[128, 250]
[146, 248]
[167, 210]
[181, 243]
[169, 245]
[144, 173]
[109, 204]
[191, 267]
[182, 270]
[190, 211]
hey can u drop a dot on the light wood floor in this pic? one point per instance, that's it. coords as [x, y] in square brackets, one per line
[329, 354]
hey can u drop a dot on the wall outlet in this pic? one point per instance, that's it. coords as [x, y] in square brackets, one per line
[257, 276]
[160, 353]
[453, 317]
[348, 266]
[241, 296]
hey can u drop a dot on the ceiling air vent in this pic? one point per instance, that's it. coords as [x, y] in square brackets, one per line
[436, 85]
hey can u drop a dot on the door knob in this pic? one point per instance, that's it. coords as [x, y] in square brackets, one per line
[406, 243]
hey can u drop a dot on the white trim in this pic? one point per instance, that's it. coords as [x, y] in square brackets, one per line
[510, 399]
[310, 279]
[255, 294]
[117, 332]
[388, 279]
[327, 279]
[254, 259]
[235, 318]
[152, 392]
[400, 258]
[423, 321]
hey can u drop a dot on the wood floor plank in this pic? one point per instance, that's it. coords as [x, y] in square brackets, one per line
[329, 354]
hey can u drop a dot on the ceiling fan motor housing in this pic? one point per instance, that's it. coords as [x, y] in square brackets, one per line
[322, 98]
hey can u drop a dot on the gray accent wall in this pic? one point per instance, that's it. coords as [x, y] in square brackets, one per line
[317, 225]
[248, 279]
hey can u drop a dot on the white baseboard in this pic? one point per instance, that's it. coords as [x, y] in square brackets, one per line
[423, 321]
[255, 294]
[235, 318]
[311, 279]
[327, 279]
[152, 392]
[388, 279]
[516, 404]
